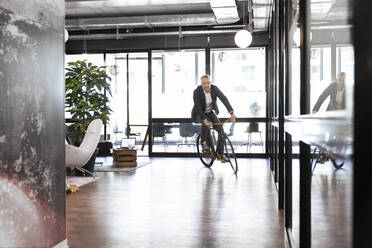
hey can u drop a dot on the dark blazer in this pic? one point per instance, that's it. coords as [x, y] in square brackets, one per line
[331, 91]
[197, 114]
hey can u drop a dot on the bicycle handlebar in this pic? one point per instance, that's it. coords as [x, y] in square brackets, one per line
[221, 123]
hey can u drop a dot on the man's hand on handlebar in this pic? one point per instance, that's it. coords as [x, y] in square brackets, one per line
[233, 118]
[208, 123]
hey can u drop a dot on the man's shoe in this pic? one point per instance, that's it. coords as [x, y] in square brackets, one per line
[224, 159]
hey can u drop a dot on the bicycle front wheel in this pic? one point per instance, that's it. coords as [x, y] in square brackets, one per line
[206, 157]
[230, 154]
[337, 163]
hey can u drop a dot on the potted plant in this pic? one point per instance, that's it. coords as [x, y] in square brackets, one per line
[86, 85]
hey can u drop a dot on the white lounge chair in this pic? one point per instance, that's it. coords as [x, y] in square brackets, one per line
[77, 157]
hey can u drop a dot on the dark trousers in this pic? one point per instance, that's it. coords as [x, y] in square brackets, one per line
[204, 130]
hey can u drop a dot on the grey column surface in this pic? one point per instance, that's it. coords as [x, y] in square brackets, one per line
[32, 155]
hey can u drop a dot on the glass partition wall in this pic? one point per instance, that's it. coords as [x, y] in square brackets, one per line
[331, 94]
[175, 75]
[311, 116]
[117, 70]
[129, 102]
[239, 73]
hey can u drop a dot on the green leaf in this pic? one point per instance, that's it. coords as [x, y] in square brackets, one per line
[84, 96]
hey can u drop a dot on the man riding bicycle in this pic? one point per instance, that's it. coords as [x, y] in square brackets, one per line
[205, 97]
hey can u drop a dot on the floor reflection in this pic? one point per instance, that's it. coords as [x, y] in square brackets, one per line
[177, 202]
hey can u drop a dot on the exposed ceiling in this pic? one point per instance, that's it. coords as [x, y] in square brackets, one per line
[98, 15]
[110, 8]
[261, 13]
[138, 15]
[329, 14]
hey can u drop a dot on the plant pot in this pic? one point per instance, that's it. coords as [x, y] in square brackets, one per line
[104, 149]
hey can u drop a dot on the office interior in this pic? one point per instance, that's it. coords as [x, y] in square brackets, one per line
[297, 74]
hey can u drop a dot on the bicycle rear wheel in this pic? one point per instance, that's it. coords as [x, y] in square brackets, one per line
[230, 154]
[206, 157]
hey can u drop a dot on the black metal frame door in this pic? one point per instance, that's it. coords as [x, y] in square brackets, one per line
[362, 214]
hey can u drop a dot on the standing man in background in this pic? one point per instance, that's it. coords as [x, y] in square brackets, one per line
[336, 91]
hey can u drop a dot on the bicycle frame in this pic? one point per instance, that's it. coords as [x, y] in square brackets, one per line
[214, 140]
[207, 157]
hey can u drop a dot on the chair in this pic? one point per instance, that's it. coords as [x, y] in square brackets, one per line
[135, 135]
[159, 131]
[77, 157]
[251, 129]
[186, 131]
[116, 131]
[231, 130]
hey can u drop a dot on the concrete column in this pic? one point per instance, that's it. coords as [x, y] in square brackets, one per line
[32, 167]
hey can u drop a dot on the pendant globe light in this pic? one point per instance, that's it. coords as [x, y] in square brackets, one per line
[243, 38]
[66, 35]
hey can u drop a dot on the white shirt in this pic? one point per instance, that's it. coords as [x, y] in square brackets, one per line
[208, 100]
[339, 96]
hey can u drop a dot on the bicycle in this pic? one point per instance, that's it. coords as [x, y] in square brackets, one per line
[320, 157]
[207, 157]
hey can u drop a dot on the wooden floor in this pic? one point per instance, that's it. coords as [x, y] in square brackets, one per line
[178, 203]
[331, 205]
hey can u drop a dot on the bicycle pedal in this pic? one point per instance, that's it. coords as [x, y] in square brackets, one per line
[223, 159]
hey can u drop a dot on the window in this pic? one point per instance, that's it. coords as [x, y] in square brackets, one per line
[129, 84]
[321, 73]
[95, 59]
[345, 62]
[181, 137]
[175, 75]
[117, 70]
[240, 74]
[296, 81]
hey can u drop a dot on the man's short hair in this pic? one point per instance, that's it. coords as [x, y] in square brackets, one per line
[206, 76]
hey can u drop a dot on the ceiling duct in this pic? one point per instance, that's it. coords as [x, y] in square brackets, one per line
[106, 8]
[225, 11]
[119, 36]
[142, 21]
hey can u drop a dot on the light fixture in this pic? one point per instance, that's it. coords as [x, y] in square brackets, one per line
[114, 70]
[243, 38]
[66, 35]
[222, 3]
[315, 53]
